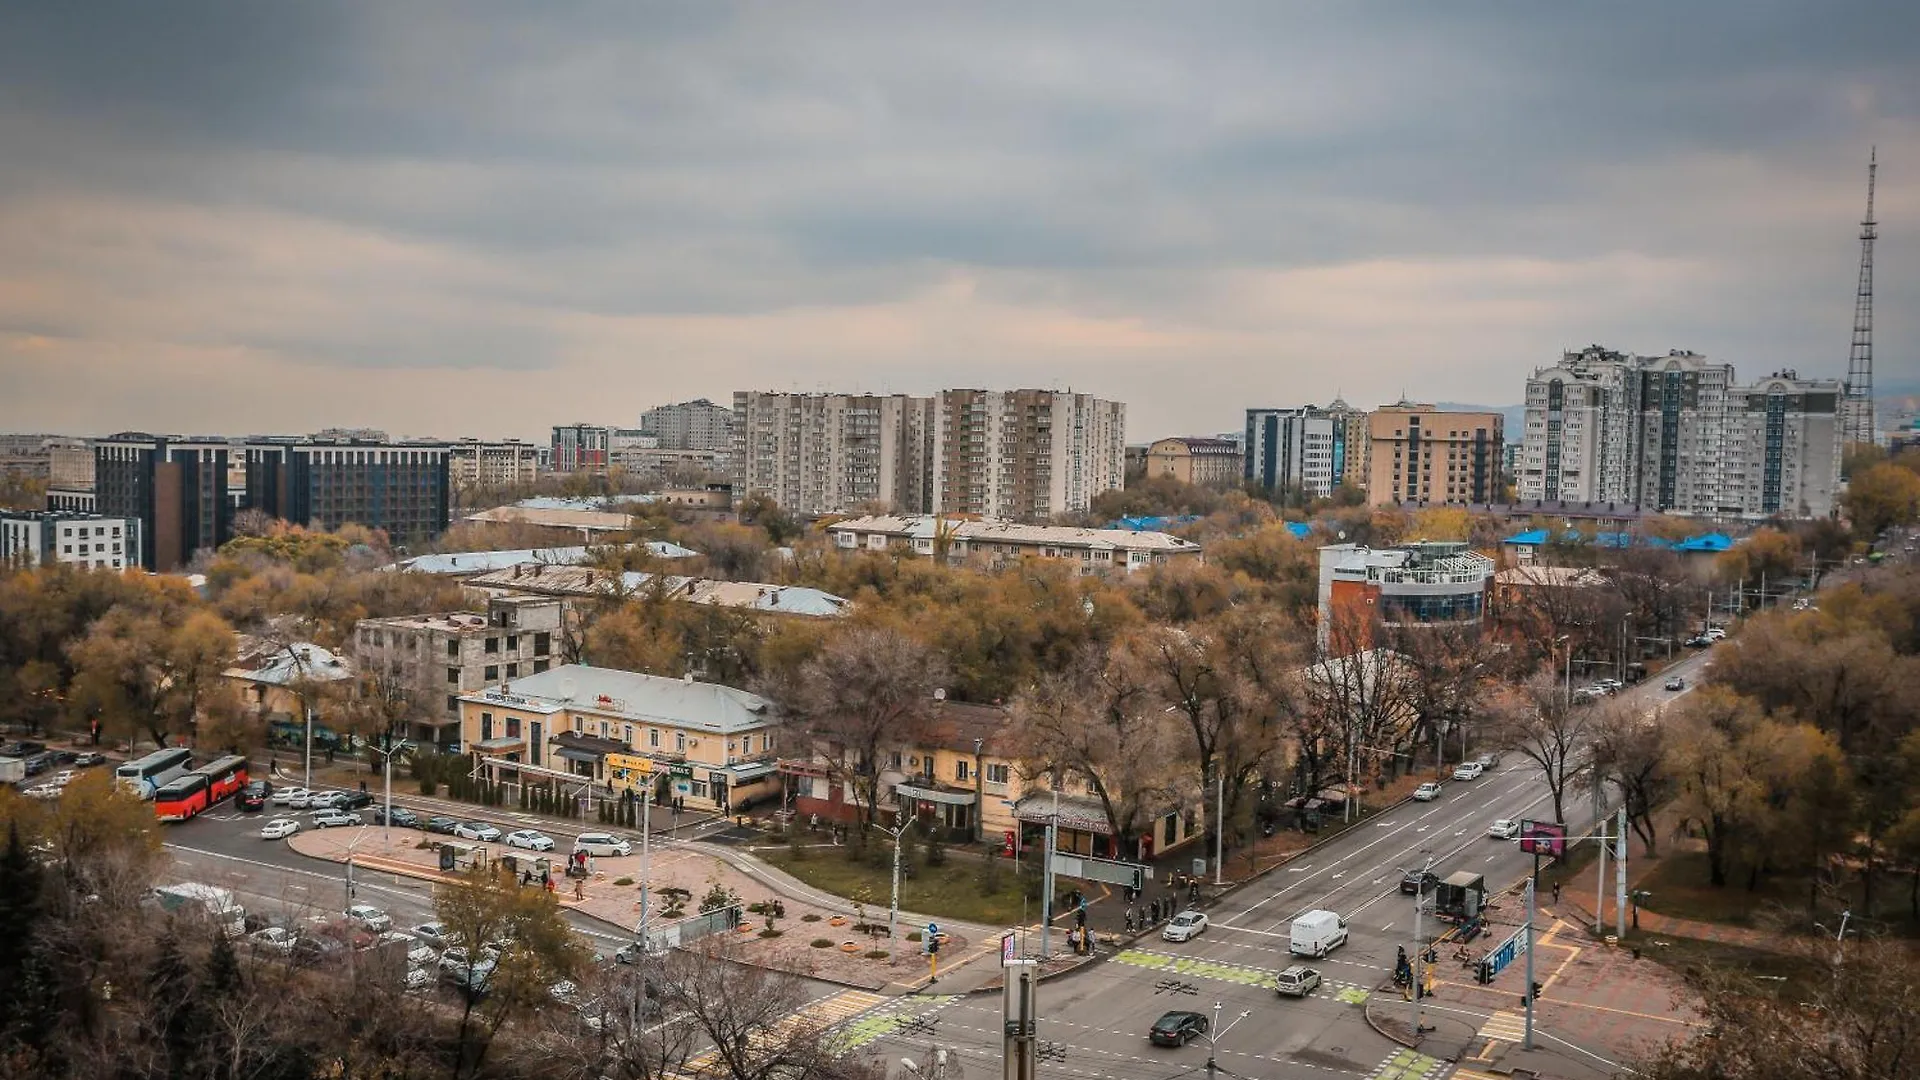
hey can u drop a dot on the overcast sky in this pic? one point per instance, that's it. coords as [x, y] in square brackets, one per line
[484, 218]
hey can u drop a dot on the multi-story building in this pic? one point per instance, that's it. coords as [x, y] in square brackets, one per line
[831, 453]
[1290, 452]
[400, 488]
[437, 658]
[622, 730]
[690, 425]
[1352, 444]
[1024, 455]
[175, 487]
[1095, 550]
[1206, 462]
[581, 448]
[1679, 434]
[1363, 588]
[70, 475]
[476, 463]
[1420, 454]
[35, 538]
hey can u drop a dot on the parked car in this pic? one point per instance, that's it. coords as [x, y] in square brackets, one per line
[631, 953]
[601, 844]
[1468, 770]
[279, 828]
[351, 800]
[530, 839]
[1699, 641]
[253, 797]
[402, 817]
[89, 758]
[1676, 683]
[1504, 829]
[418, 980]
[39, 763]
[370, 917]
[1610, 686]
[1420, 881]
[476, 830]
[1178, 1028]
[285, 796]
[328, 819]
[444, 825]
[433, 933]
[302, 799]
[1296, 981]
[1427, 792]
[1185, 926]
[318, 948]
[277, 939]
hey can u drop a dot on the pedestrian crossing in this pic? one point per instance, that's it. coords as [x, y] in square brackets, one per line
[1242, 974]
[826, 1013]
[1505, 1025]
[1408, 1065]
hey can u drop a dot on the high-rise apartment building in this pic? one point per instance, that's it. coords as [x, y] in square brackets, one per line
[175, 487]
[690, 425]
[831, 453]
[581, 448]
[1679, 433]
[1289, 452]
[1420, 454]
[1024, 455]
[473, 463]
[400, 488]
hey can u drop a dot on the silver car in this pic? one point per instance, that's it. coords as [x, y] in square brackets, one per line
[1297, 981]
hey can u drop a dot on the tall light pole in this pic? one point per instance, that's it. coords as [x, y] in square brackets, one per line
[1419, 945]
[386, 817]
[1220, 826]
[646, 858]
[1046, 877]
[1214, 1031]
[893, 908]
[979, 792]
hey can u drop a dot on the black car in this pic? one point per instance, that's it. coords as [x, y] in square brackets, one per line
[1178, 1028]
[253, 797]
[402, 817]
[1418, 881]
[445, 825]
[21, 749]
[39, 763]
[352, 800]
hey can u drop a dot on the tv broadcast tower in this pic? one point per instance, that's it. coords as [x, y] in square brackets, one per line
[1859, 424]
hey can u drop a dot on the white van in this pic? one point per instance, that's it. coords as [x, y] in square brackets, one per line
[599, 844]
[1317, 933]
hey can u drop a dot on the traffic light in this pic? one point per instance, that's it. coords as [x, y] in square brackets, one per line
[933, 945]
[1483, 972]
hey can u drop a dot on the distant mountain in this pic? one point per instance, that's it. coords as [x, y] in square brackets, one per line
[1515, 414]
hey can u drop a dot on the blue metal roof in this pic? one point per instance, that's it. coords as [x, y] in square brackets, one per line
[1153, 523]
[1707, 542]
[1300, 529]
[1530, 538]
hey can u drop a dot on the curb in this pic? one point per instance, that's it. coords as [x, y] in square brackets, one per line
[1367, 1012]
[1308, 850]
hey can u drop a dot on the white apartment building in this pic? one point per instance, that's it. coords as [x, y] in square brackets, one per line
[690, 425]
[1291, 451]
[1024, 455]
[1096, 550]
[1678, 433]
[473, 463]
[831, 453]
[35, 538]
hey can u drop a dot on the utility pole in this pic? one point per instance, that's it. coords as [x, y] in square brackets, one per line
[893, 909]
[1620, 876]
[646, 860]
[1527, 941]
[1214, 1031]
[1600, 885]
[386, 817]
[1418, 956]
[1220, 826]
[1019, 1004]
[1046, 881]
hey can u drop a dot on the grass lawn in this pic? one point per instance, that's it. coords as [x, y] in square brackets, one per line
[954, 890]
[1679, 884]
[1762, 973]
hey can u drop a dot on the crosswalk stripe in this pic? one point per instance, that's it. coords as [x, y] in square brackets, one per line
[1508, 1026]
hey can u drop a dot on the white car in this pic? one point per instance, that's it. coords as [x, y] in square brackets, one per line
[43, 791]
[601, 844]
[62, 778]
[433, 933]
[302, 799]
[530, 839]
[375, 920]
[285, 796]
[1504, 829]
[476, 830]
[1185, 926]
[419, 980]
[1427, 792]
[327, 819]
[1468, 770]
[277, 939]
[279, 828]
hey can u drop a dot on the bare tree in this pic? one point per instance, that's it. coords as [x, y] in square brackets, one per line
[1536, 720]
[746, 1013]
[1630, 751]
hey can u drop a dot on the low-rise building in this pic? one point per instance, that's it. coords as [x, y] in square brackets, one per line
[1423, 583]
[1206, 462]
[461, 564]
[441, 656]
[477, 463]
[37, 538]
[271, 677]
[713, 746]
[1095, 550]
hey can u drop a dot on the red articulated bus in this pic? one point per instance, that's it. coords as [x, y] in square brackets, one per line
[201, 789]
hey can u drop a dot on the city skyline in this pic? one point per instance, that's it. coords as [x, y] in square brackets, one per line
[289, 219]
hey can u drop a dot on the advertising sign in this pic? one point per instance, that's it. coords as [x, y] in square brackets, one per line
[1543, 838]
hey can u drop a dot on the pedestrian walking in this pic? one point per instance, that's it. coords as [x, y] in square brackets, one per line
[1556, 893]
[549, 884]
[579, 890]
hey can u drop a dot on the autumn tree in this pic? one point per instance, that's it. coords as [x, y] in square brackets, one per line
[738, 1008]
[486, 907]
[1630, 752]
[1734, 768]
[143, 673]
[1766, 555]
[868, 691]
[1537, 720]
[1881, 496]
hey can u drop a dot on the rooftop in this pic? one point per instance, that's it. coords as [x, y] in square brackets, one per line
[278, 665]
[590, 520]
[921, 527]
[741, 595]
[630, 695]
[480, 562]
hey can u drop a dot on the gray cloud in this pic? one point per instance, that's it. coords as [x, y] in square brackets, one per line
[1267, 201]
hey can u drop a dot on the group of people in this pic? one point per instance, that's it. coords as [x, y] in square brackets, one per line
[1149, 914]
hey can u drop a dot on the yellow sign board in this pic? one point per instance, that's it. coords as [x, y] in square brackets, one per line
[628, 771]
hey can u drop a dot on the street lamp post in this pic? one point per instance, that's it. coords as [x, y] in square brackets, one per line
[646, 858]
[979, 792]
[893, 908]
[386, 816]
[1214, 1031]
[1419, 945]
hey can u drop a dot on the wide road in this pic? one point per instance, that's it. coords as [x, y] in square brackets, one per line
[1094, 1022]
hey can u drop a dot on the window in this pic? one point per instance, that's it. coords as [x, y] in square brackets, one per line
[996, 774]
[680, 742]
[486, 726]
[539, 666]
[513, 727]
[492, 673]
[576, 725]
[453, 647]
[493, 645]
[453, 704]
[629, 735]
[513, 671]
[653, 738]
[513, 642]
[453, 676]
[960, 771]
[533, 744]
[541, 643]
[697, 788]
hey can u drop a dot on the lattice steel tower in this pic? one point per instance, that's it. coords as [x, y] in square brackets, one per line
[1860, 425]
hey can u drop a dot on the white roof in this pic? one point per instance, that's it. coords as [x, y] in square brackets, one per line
[630, 695]
[921, 527]
[482, 562]
[300, 660]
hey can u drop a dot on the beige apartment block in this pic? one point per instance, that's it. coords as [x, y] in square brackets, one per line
[1421, 454]
[1206, 462]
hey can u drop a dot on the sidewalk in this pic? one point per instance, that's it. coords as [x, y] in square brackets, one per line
[1652, 922]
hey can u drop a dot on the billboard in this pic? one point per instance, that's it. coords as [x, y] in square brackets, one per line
[1543, 838]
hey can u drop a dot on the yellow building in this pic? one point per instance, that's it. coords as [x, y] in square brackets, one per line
[1422, 455]
[270, 676]
[1202, 461]
[711, 746]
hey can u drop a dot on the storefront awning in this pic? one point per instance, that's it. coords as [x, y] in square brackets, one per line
[492, 747]
[753, 770]
[1072, 813]
[572, 754]
[934, 795]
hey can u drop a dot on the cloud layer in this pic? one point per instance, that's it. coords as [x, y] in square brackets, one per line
[487, 218]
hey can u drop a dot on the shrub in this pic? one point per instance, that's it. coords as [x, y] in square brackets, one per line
[821, 943]
[623, 881]
[914, 936]
[770, 932]
[876, 954]
[809, 917]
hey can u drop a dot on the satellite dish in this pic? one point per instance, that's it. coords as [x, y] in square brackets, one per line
[939, 693]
